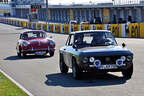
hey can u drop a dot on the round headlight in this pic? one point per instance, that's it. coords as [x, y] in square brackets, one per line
[119, 62]
[85, 60]
[25, 44]
[123, 58]
[52, 43]
[129, 58]
[92, 59]
[97, 63]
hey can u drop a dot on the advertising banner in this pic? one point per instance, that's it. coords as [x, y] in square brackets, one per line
[116, 30]
[134, 30]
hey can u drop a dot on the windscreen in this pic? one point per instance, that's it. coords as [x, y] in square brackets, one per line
[31, 35]
[94, 39]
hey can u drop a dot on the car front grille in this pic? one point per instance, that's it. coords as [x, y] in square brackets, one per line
[107, 59]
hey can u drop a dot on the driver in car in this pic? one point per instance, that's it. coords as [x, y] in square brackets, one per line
[25, 36]
[98, 40]
[79, 41]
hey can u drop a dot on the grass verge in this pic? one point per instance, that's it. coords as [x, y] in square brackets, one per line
[7, 88]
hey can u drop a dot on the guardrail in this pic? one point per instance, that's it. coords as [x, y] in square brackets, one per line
[134, 30]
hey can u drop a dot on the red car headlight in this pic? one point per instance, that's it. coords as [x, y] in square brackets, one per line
[25, 44]
[52, 44]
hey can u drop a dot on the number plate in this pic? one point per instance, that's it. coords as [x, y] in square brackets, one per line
[109, 66]
[40, 52]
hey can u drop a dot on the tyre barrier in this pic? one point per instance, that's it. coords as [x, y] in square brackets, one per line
[66, 28]
[58, 27]
[133, 30]
[39, 26]
[45, 27]
[85, 27]
[75, 27]
[99, 27]
[23, 23]
[34, 26]
[51, 27]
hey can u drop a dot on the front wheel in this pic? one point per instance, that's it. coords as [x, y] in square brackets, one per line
[20, 53]
[128, 73]
[75, 70]
[51, 54]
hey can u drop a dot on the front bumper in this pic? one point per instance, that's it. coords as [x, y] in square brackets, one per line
[38, 51]
[115, 68]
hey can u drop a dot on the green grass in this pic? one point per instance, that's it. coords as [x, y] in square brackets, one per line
[7, 88]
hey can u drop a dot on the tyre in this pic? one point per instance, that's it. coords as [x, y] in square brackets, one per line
[75, 70]
[128, 73]
[21, 54]
[62, 65]
[18, 54]
[51, 54]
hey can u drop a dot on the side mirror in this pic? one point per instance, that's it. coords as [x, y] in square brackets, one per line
[51, 37]
[74, 46]
[123, 45]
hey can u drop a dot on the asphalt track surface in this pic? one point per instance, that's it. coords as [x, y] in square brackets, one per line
[41, 75]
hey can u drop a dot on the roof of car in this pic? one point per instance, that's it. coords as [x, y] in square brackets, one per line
[87, 31]
[33, 31]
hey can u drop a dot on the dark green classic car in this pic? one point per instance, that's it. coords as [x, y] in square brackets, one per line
[95, 51]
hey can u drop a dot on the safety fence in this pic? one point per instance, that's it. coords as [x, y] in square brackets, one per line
[134, 30]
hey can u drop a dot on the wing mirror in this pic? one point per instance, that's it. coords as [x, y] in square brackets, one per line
[123, 45]
[51, 37]
[74, 46]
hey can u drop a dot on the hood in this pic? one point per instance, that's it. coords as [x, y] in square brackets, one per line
[104, 51]
[39, 43]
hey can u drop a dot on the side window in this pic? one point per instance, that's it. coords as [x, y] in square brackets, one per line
[70, 40]
[67, 42]
[21, 36]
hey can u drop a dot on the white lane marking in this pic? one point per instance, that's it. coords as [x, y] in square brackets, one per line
[20, 86]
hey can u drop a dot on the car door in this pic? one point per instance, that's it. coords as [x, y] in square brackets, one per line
[65, 51]
[68, 50]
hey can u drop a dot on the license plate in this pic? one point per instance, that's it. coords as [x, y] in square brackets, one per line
[109, 66]
[40, 52]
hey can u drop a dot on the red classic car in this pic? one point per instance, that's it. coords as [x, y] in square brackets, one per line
[35, 42]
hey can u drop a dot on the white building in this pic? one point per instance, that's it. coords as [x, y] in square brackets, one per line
[28, 2]
[4, 7]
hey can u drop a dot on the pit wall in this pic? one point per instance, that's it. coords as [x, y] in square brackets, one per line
[133, 30]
